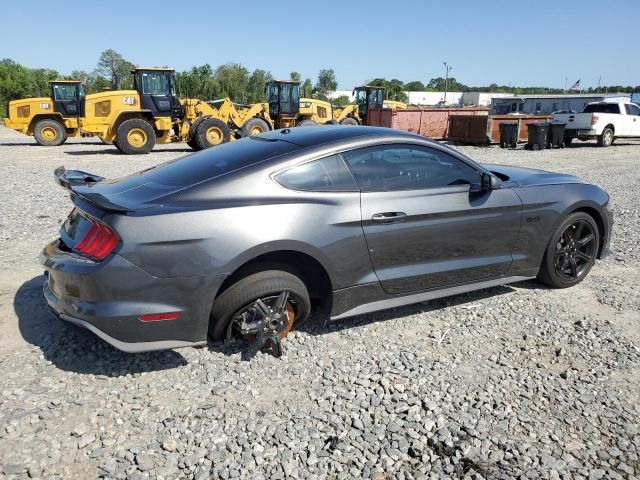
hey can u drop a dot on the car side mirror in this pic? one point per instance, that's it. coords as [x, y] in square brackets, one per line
[487, 183]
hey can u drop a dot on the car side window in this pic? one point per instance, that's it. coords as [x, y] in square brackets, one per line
[407, 167]
[632, 109]
[328, 174]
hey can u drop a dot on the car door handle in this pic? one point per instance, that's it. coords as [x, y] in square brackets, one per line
[389, 217]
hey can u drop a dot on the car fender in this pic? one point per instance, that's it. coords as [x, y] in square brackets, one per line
[281, 246]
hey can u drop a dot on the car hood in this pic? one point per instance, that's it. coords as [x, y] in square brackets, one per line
[527, 177]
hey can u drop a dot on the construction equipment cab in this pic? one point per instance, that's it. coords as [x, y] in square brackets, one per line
[51, 120]
[287, 109]
[366, 97]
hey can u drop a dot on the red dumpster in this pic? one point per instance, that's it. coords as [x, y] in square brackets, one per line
[428, 122]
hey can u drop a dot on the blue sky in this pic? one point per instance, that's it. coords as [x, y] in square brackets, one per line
[518, 42]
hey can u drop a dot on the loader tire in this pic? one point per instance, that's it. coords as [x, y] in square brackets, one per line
[255, 126]
[349, 121]
[49, 133]
[192, 143]
[135, 137]
[307, 123]
[211, 132]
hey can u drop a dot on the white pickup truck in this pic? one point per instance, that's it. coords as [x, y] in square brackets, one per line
[603, 121]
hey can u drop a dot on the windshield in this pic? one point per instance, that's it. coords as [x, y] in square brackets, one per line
[602, 108]
[64, 91]
[157, 83]
[376, 97]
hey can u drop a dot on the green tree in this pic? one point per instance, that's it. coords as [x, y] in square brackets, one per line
[341, 101]
[256, 85]
[295, 77]
[232, 80]
[306, 89]
[113, 66]
[415, 86]
[438, 84]
[326, 83]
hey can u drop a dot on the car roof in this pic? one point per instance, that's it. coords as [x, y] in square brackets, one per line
[322, 134]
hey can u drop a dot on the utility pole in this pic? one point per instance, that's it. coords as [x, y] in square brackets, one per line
[447, 68]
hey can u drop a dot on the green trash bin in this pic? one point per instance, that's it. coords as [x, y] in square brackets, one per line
[538, 135]
[555, 138]
[508, 135]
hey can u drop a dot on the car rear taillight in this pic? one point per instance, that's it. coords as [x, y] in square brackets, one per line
[97, 242]
[594, 119]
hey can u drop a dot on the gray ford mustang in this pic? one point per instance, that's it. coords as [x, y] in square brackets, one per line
[244, 239]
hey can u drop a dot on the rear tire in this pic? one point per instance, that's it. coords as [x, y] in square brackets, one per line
[211, 132]
[567, 141]
[349, 121]
[307, 123]
[253, 287]
[549, 273]
[606, 138]
[49, 133]
[135, 137]
[255, 126]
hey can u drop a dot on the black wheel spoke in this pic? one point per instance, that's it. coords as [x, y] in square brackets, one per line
[574, 267]
[578, 230]
[281, 301]
[262, 307]
[586, 240]
[584, 256]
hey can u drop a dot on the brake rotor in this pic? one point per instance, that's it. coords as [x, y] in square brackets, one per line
[282, 332]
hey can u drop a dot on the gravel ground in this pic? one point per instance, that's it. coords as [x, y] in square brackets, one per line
[510, 382]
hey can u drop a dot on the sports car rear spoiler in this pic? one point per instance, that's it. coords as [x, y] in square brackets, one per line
[72, 178]
[75, 180]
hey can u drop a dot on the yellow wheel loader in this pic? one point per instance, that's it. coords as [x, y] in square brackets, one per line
[51, 120]
[135, 120]
[286, 109]
[367, 96]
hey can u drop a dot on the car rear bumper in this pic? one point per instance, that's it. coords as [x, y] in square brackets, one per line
[109, 297]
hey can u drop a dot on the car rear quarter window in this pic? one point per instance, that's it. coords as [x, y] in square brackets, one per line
[215, 161]
[632, 109]
[602, 108]
[407, 167]
[328, 174]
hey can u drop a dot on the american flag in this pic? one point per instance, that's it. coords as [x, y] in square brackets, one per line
[575, 86]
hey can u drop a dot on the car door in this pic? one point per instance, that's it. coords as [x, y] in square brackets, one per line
[632, 120]
[423, 225]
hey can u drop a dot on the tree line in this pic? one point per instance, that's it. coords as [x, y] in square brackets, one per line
[231, 80]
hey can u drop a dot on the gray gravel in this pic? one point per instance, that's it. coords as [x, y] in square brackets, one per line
[511, 382]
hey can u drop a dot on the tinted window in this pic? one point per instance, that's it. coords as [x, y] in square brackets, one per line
[64, 91]
[215, 161]
[632, 109]
[405, 167]
[326, 175]
[602, 108]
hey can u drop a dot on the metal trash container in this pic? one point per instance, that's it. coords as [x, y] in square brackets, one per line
[508, 135]
[537, 135]
[555, 137]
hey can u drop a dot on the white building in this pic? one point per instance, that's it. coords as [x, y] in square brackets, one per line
[428, 99]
